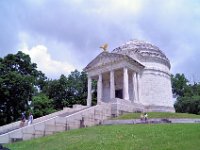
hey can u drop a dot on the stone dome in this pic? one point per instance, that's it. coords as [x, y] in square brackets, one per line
[142, 51]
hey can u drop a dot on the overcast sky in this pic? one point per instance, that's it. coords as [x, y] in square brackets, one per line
[63, 35]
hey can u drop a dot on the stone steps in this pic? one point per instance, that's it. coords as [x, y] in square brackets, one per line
[80, 118]
[63, 113]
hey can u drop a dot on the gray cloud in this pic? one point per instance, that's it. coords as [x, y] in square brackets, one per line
[8, 28]
[73, 30]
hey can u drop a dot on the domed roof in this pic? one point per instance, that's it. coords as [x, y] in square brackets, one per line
[141, 50]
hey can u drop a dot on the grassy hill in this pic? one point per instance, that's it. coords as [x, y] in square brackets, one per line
[158, 115]
[120, 137]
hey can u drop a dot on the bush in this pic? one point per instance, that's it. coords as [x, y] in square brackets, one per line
[188, 105]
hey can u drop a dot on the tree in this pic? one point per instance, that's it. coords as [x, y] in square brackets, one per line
[77, 88]
[188, 95]
[18, 79]
[188, 105]
[179, 85]
[67, 91]
[57, 91]
[41, 105]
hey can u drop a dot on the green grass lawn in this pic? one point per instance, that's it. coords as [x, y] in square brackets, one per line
[120, 137]
[158, 115]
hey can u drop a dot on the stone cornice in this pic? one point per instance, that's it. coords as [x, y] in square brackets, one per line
[157, 71]
[109, 59]
[154, 59]
[113, 66]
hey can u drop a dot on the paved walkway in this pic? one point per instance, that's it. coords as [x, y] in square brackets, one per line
[151, 121]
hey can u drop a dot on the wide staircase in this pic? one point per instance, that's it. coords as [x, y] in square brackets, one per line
[67, 119]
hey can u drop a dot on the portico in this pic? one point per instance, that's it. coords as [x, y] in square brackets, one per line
[116, 78]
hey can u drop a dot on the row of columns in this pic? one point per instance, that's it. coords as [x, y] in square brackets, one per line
[112, 86]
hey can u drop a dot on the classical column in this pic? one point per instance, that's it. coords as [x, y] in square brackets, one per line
[134, 86]
[137, 87]
[125, 89]
[99, 89]
[89, 97]
[112, 84]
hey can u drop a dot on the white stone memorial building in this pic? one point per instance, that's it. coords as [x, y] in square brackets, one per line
[133, 77]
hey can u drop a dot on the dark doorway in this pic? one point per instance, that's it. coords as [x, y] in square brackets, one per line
[119, 93]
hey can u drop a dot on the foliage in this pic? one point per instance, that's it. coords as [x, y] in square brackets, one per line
[57, 91]
[77, 88]
[94, 92]
[188, 104]
[18, 79]
[188, 95]
[41, 105]
[179, 85]
[67, 91]
[119, 137]
[20, 82]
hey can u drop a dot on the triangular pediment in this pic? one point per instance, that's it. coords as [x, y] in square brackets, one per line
[106, 58]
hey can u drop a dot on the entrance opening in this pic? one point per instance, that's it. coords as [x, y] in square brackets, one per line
[119, 93]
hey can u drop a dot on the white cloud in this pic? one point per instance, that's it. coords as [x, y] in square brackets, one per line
[115, 7]
[74, 34]
[52, 68]
[180, 56]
